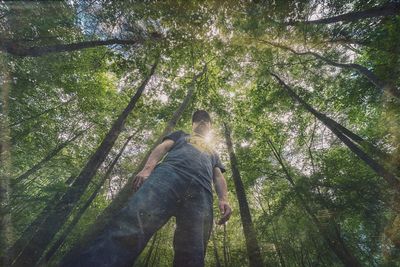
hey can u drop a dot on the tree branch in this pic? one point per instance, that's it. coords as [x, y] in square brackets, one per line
[388, 9]
[16, 49]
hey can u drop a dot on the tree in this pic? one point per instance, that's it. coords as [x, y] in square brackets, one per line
[331, 237]
[46, 231]
[127, 189]
[312, 201]
[253, 249]
[378, 168]
[88, 202]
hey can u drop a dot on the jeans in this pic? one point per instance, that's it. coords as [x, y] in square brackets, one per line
[163, 195]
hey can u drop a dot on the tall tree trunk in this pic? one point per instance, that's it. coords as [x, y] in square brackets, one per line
[60, 240]
[49, 156]
[380, 84]
[16, 49]
[357, 139]
[275, 236]
[216, 256]
[127, 190]
[388, 9]
[392, 179]
[253, 249]
[334, 241]
[227, 258]
[52, 224]
[29, 231]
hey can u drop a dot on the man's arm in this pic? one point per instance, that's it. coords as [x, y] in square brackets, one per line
[152, 161]
[222, 191]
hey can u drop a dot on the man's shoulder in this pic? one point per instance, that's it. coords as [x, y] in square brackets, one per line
[181, 132]
[175, 136]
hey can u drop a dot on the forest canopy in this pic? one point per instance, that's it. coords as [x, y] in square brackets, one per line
[304, 98]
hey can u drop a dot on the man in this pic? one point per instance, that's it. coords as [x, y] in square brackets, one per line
[179, 186]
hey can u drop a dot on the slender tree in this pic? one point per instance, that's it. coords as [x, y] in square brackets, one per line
[275, 237]
[342, 217]
[226, 248]
[127, 190]
[33, 250]
[215, 249]
[61, 238]
[392, 179]
[29, 231]
[253, 249]
[331, 235]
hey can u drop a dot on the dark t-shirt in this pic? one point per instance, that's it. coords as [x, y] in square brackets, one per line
[192, 157]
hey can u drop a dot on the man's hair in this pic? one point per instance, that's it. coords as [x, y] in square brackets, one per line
[198, 115]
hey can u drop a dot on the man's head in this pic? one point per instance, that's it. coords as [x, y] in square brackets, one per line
[201, 122]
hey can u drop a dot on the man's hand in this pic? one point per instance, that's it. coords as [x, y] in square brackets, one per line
[151, 163]
[226, 211]
[140, 178]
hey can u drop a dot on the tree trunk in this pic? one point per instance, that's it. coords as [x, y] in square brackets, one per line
[216, 256]
[334, 242]
[16, 49]
[380, 84]
[49, 156]
[388, 9]
[253, 249]
[357, 139]
[29, 231]
[275, 236]
[378, 168]
[87, 204]
[226, 249]
[52, 224]
[107, 215]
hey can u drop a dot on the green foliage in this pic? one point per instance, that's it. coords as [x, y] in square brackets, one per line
[296, 173]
